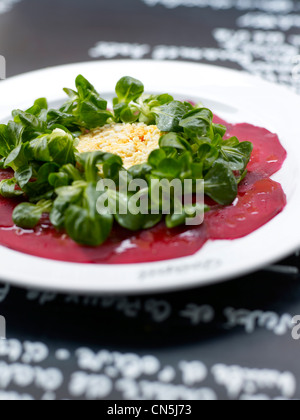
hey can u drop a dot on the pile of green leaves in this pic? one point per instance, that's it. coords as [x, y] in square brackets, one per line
[51, 176]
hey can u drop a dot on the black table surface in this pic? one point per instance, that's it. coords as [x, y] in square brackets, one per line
[228, 341]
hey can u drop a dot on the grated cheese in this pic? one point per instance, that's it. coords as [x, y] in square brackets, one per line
[132, 142]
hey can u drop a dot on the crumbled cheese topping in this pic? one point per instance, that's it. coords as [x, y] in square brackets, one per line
[132, 142]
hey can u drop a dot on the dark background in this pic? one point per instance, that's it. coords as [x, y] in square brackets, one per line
[230, 341]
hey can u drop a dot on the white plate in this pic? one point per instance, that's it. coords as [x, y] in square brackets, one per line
[235, 96]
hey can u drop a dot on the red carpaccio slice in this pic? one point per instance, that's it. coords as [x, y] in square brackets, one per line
[259, 200]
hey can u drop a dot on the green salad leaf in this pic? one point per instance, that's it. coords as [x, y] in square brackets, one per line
[86, 106]
[9, 188]
[220, 184]
[10, 137]
[82, 221]
[28, 215]
[170, 115]
[129, 89]
[198, 123]
[56, 147]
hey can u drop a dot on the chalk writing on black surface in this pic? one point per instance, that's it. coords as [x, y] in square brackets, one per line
[296, 327]
[122, 49]
[2, 68]
[279, 6]
[4, 291]
[161, 310]
[2, 328]
[131, 376]
[239, 380]
[269, 22]
[7, 5]
[260, 47]
[271, 55]
[250, 320]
